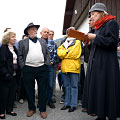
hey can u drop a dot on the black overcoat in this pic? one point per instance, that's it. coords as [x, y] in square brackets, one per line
[102, 84]
[6, 64]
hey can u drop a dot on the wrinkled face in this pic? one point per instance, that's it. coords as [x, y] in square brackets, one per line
[32, 32]
[44, 33]
[50, 35]
[12, 39]
[95, 16]
[91, 23]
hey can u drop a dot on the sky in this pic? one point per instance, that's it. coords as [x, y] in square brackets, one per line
[17, 14]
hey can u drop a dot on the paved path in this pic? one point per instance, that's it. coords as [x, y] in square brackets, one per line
[53, 114]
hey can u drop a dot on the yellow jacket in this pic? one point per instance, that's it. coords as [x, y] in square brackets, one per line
[70, 57]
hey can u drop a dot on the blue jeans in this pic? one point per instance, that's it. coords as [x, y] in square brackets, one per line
[71, 89]
[50, 82]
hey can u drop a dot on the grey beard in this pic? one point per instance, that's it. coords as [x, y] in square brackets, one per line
[33, 36]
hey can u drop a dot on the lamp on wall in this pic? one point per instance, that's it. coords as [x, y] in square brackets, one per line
[75, 11]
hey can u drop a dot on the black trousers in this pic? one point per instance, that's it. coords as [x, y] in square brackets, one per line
[41, 76]
[22, 92]
[7, 94]
[81, 82]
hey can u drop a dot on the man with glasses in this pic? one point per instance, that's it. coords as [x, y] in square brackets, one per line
[51, 35]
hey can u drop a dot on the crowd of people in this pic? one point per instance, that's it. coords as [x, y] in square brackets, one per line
[95, 82]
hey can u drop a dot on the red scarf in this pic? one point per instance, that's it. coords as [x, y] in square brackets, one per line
[103, 20]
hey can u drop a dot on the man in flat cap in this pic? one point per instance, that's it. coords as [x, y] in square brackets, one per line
[33, 60]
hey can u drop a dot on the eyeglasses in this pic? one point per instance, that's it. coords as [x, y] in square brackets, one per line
[51, 34]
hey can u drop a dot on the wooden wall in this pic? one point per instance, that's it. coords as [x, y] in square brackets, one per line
[80, 6]
[68, 14]
[83, 6]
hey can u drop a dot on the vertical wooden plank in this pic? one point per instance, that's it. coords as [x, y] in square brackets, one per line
[92, 2]
[74, 16]
[98, 1]
[82, 4]
[118, 13]
[104, 1]
[114, 7]
[109, 6]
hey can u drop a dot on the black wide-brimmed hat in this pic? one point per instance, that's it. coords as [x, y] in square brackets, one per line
[29, 26]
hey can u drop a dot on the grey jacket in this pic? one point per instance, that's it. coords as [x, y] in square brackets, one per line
[23, 48]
